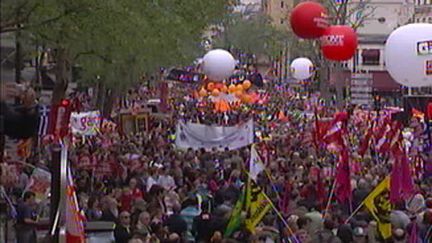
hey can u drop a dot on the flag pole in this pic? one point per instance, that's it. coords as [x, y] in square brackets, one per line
[281, 217]
[277, 212]
[355, 212]
[330, 198]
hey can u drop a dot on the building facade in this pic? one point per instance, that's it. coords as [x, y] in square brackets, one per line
[383, 17]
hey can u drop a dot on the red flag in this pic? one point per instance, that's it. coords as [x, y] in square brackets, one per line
[335, 136]
[417, 114]
[282, 117]
[364, 144]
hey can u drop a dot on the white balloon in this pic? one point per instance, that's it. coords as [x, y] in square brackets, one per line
[218, 64]
[302, 68]
[408, 55]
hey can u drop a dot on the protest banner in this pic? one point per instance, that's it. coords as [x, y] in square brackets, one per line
[85, 123]
[196, 136]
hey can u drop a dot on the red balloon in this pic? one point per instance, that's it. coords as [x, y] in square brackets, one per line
[339, 43]
[309, 20]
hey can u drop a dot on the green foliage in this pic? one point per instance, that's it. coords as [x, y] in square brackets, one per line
[120, 40]
[254, 35]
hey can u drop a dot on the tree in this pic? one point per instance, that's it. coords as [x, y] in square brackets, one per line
[253, 34]
[118, 40]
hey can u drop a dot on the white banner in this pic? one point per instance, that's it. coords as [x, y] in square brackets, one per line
[85, 123]
[196, 136]
[40, 184]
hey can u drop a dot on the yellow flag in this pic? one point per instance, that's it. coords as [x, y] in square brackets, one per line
[378, 203]
[257, 205]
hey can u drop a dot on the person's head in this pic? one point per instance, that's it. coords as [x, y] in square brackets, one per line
[303, 222]
[145, 218]
[124, 218]
[29, 197]
[93, 202]
[359, 235]
[345, 233]
[133, 183]
[399, 235]
[135, 240]
[329, 224]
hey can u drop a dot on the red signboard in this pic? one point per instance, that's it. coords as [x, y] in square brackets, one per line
[59, 119]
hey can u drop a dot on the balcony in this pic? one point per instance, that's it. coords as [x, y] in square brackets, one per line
[423, 9]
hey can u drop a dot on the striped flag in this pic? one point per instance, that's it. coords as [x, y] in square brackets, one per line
[339, 2]
[44, 112]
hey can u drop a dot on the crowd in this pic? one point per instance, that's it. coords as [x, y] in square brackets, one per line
[155, 192]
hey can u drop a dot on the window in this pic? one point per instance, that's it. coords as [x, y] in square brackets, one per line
[371, 57]
[282, 4]
[282, 20]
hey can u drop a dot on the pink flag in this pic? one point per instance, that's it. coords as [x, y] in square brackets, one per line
[401, 181]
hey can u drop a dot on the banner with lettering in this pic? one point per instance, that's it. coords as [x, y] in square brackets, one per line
[85, 123]
[196, 136]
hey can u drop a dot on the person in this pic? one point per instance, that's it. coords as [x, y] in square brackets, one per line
[345, 233]
[201, 227]
[93, 212]
[399, 235]
[189, 212]
[136, 191]
[109, 210]
[143, 223]
[359, 235]
[122, 232]
[19, 121]
[327, 235]
[175, 222]
[27, 219]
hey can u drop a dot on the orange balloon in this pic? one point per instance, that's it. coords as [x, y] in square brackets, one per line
[202, 92]
[219, 86]
[245, 98]
[224, 89]
[215, 92]
[232, 88]
[238, 93]
[246, 84]
[210, 86]
[239, 87]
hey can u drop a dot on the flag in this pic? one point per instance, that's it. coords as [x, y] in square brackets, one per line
[44, 112]
[365, 143]
[282, 117]
[257, 205]
[74, 219]
[417, 114]
[401, 183]
[235, 219]
[378, 204]
[24, 148]
[343, 178]
[413, 234]
[256, 166]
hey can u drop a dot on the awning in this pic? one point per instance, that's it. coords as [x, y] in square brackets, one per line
[371, 53]
[382, 81]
